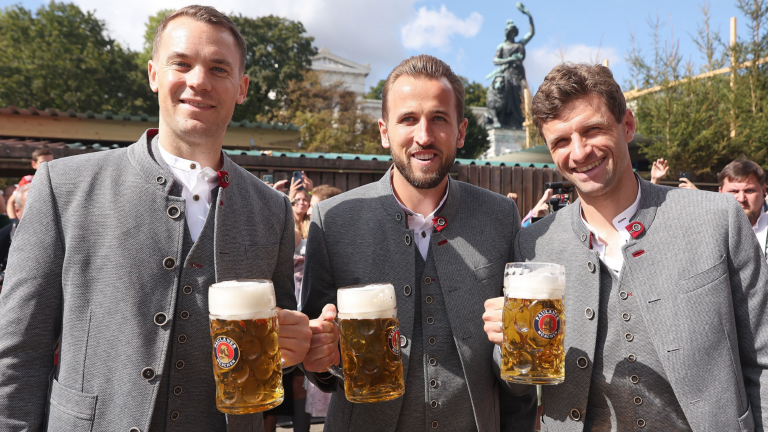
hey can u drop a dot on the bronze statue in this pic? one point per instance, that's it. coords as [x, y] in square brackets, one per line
[505, 94]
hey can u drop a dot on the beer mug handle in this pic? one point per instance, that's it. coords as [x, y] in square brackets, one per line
[333, 369]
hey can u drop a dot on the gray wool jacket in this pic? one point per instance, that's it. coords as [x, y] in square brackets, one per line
[700, 281]
[87, 265]
[361, 237]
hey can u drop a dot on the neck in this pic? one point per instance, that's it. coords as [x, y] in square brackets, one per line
[422, 201]
[600, 211]
[207, 154]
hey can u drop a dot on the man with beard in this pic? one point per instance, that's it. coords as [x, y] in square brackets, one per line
[443, 245]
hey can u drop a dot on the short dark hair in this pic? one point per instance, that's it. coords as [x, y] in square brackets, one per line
[424, 66]
[43, 151]
[741, 169]
[323, 192]
[204, 14]
[570, 81]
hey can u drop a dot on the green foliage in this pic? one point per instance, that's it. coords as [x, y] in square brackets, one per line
[59, 57]
[476, 142]
[149, 36]
[475, 94]
[376, 91]
[279, 52]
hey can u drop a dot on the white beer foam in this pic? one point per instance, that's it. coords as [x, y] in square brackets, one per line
[535, 286]
[242, 299]
[368, 301]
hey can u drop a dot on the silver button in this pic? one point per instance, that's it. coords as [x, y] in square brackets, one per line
[432, 341]
[160, 179]
[403, 341]
[173, 212]
[160, 319]
[634, 379]
[399, 216]
[169, 263]
[432, 362]
[184, 315]
[147, 373]
[177, 390]
[623, 295]
[583, 237]
[575, 414]
[591, 266]
[407, 239]
[434, 424]
[427, 280]
[629, 337]
[428, 300]
[582, 362]
[625, 316]
[434, 404]
[134, 429]
[637, 400]
[187, 289]
[589, 313]
[640, 423]
[182, 338]
[407, 290]
[631, 358]
[430, 320]
[175, 415]
[433, 383]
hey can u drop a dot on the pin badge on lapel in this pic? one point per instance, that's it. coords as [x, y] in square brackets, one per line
[635, 229]
[440, 223]
[223, 178]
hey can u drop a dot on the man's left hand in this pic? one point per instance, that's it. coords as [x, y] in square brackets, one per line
[492, 317]
[294, 336]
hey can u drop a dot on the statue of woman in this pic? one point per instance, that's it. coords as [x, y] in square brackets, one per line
[509, 57]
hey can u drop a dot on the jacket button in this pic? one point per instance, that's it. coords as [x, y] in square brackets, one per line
[432, 361]
[182, 338]
[180, 364]
[623, 295]
[428, 299]
[407, 290]
[582, 362]
[434, 424]
[134, 429]
[147, 373]
[428, 280]
[591, 266]
[184, 315]
[430, 320]
[625, 316]
[187, 289]
[629, 337]
[403, 341]
[583, 237]
[634, 379]
[433, 404]
[407, 239]
[177, 390]
[575, 414]
[638, 400]
[631, 358]
[173, 212]
[175, 415]
[399, 216]
[432, 341]
[160, 179]
[169, 263]
[640, 423]
[589, 313]
[160, 319]
[433, 383]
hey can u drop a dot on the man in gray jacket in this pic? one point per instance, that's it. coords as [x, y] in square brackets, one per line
[443, 244]
[117, 250]
[665, 288]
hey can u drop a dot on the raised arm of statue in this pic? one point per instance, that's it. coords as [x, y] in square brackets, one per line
[530, 33]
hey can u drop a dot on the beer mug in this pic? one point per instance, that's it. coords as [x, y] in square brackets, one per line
[370, 343]
[246, 356]
[533, 323]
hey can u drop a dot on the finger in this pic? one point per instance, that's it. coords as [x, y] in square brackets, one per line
[289, 317]
[496, 303]
[320, 339]
[320, 326]
[329, 312]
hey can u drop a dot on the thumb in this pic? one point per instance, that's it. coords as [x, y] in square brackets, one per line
[329, 313]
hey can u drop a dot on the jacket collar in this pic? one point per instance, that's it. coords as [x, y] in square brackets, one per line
[397, 214]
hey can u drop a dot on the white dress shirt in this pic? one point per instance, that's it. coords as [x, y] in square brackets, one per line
[620, 222]
[761, 231]
[422, 226]
[198, 184]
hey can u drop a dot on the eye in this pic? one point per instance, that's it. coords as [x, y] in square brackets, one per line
[440, 118]
[219, 70]
[180, 64]
[408, 119]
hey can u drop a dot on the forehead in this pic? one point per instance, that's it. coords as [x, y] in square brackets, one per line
[576, 112]
[421, 94]
[185, 34]
[742, 183]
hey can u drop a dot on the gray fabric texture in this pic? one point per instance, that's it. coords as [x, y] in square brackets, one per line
[361, 237]
[87, 265]
[700, 289]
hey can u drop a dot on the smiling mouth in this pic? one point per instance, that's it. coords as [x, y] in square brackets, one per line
[423, 156]
[589, 167]
[195, 104]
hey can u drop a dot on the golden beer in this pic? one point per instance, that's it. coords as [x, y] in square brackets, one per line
[247, 364]
[533, 324]
[370, 343]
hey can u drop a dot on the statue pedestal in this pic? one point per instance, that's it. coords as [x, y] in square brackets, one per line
[504, 141]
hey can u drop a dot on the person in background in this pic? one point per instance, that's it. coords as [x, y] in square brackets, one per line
[38, 157]
[7, 232]
[745, 180]
[659, 170]
[540, 210]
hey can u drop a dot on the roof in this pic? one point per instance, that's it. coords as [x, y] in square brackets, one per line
[326, 61]
[107, 115]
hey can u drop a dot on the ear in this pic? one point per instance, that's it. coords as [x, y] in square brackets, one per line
[629, 125]
[383, 132]
[462, 133]
[243, 90]
[720, 190]
[152, 72]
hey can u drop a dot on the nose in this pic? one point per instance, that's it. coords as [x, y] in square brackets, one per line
[580, 149]
[197, 79]
[424, 133]
[741, 197]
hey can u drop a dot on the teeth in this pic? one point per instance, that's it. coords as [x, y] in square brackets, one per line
[423, 157]
[588, 167]
[199, 105]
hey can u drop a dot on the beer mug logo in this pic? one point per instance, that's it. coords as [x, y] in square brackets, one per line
[226, 352]
[547, 323]
[394, 340]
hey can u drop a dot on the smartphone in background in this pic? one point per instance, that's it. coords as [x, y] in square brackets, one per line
[268, 178]
[687, 175]
[298, 176]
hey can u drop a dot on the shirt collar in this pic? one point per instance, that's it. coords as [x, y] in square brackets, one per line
[177, 162]
[620, 222]
[761, 223]
[410, 212]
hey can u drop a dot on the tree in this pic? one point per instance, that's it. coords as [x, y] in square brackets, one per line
[474, 93]
[60, 57]
[149, 37]
[376, 91]
[476, 142]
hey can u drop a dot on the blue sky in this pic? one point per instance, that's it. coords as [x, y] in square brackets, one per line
[464, 34]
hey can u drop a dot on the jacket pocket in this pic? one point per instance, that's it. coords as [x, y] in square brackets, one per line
[704, 278]
[70, 410]
[747, 421]
[490, 270]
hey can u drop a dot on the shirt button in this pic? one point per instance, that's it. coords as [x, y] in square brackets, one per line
[180, 364]
[432, 341]
[432, 362]
[184, 315]
[196, 197]
[169, 263]
[182, 338]
[434, 424]
[423, 234]
[427, 280]
[148, 373]
[433, 383]
[187, 289]
[634, 379]
[192, 166]
[175, 415]
[429, 299]
[177, 390]
[160, 319]
[434, 404]
[430, 320]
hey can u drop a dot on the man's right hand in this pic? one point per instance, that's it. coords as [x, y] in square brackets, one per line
[324, 346]
[493, 313]
[687, 184]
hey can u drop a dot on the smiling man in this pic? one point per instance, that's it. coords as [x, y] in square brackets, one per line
[443, 245]
[117, 250]
[665, 288]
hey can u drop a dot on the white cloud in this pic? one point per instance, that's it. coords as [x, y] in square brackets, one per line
[539, 61]
[434, 28]
[351, 29]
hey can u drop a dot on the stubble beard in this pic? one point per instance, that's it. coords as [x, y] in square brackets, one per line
[421, 178]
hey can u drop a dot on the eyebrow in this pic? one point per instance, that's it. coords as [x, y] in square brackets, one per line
[183, 55]
[434, 111]
[596, 122]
